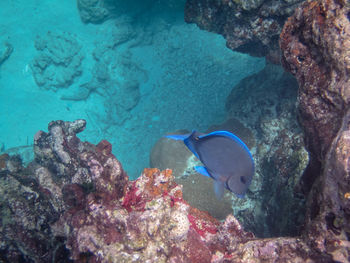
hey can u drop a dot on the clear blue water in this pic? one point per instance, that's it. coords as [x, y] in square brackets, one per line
[156, 74]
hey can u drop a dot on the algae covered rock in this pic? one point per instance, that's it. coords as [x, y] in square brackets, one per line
[58, 60]
[315, 44]
[75, 202]
[93, 11]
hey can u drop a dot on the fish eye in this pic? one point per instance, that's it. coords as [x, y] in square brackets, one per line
[243, 180]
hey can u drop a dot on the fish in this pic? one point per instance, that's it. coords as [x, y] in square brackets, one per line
[225, 158]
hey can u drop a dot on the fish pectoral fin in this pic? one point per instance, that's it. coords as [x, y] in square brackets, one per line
[219, 188]
[177, 137]
[202, 170]
[240, 195]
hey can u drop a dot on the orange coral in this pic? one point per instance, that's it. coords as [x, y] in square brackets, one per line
[347, 195]
[158, 182]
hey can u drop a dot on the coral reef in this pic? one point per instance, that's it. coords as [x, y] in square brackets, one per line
[317, 56]
[268, 109]
[93, 11]
[26, 215]
[315, 45]
[122, 93]
[58, 61]
[250, 26]
[75, 202]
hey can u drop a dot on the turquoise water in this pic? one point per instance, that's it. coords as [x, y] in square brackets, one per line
[133, 78]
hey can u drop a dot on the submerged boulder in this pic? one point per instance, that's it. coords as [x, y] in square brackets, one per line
[315, 45]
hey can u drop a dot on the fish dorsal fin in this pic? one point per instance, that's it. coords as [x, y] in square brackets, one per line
[189, 143]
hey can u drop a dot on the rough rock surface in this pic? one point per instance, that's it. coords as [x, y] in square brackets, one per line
[250, 26]
[315, 43]
[265, 103]
[93, 11]
[58, 61]
[74, 202]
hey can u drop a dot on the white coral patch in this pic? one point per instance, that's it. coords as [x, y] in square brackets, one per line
[180, 225]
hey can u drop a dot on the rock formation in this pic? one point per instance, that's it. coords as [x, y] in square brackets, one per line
[249, 26]
[75, 202]
[315, 43]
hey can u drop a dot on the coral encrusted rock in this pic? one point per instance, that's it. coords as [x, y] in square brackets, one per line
[58, 60]
[265, 103]
[315, 43]
[75, 202]
[249, 26]
[93, 11]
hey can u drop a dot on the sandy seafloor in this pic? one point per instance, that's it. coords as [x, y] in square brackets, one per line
[189, 75]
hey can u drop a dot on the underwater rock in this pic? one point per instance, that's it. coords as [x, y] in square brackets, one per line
[51, 213]
[317, 55]
[26, 153]
[93, 11]
[58, 61]
[249, 26]
[121, 95]
[198, 191]
[171, 154]
[25, 215]
[265, 103]
[315, 45]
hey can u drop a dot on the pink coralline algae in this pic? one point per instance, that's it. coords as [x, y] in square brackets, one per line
[150, 222]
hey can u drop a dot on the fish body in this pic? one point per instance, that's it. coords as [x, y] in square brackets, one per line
[226, 159]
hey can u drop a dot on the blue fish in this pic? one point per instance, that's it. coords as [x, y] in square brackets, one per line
[226, 159]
